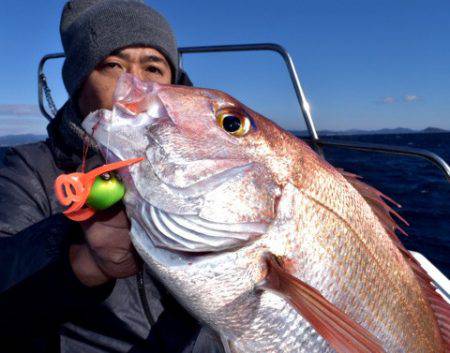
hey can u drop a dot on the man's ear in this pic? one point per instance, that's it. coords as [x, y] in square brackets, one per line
[183, 79]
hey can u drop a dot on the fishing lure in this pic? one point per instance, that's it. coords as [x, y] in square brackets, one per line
[87, 193]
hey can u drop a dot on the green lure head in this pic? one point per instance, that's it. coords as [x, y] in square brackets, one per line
[106, 191]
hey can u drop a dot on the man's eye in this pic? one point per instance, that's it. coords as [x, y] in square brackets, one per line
[112, 65]
[154, 70]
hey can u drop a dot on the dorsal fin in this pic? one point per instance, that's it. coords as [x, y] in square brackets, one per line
[384, 213]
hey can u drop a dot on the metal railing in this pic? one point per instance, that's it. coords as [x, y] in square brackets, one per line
[316, 141]
[43, 88]
[396, 150]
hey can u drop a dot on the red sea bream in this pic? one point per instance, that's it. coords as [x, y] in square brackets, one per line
[258, 236]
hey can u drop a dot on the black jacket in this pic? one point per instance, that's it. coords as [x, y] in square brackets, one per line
[43, 306]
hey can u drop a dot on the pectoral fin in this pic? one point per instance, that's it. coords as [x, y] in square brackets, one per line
[341, 332]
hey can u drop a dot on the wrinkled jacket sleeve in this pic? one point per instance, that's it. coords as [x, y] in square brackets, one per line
[37, 285]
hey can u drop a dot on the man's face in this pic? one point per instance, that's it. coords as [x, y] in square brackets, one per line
[146, 63]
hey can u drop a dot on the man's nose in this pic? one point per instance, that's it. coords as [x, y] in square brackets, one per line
[136, 71]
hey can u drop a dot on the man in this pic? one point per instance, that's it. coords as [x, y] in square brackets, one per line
[81, 288]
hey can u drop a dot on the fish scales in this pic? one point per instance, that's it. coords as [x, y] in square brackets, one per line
[380, 254]
[274, 195]
[355, 298]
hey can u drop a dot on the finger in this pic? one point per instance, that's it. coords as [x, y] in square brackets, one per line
[113, 217]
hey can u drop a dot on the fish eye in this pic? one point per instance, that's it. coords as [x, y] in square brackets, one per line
[236, 124]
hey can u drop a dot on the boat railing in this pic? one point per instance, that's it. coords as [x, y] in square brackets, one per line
[314, 139]
[440, 281]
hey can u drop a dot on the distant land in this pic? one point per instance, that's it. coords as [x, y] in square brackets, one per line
[398, 130]
[12, 140]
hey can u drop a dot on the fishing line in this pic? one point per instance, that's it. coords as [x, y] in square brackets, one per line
[84, 155]
[107, 146]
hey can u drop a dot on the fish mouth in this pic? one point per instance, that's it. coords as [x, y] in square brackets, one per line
[195, 189]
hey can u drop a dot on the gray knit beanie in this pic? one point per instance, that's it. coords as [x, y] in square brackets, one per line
[92, 29]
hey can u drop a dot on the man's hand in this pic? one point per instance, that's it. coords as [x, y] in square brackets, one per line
[108, 252]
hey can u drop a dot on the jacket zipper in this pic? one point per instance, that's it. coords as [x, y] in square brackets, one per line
[143, 297]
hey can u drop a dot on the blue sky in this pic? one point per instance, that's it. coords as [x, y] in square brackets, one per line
[363, 64]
